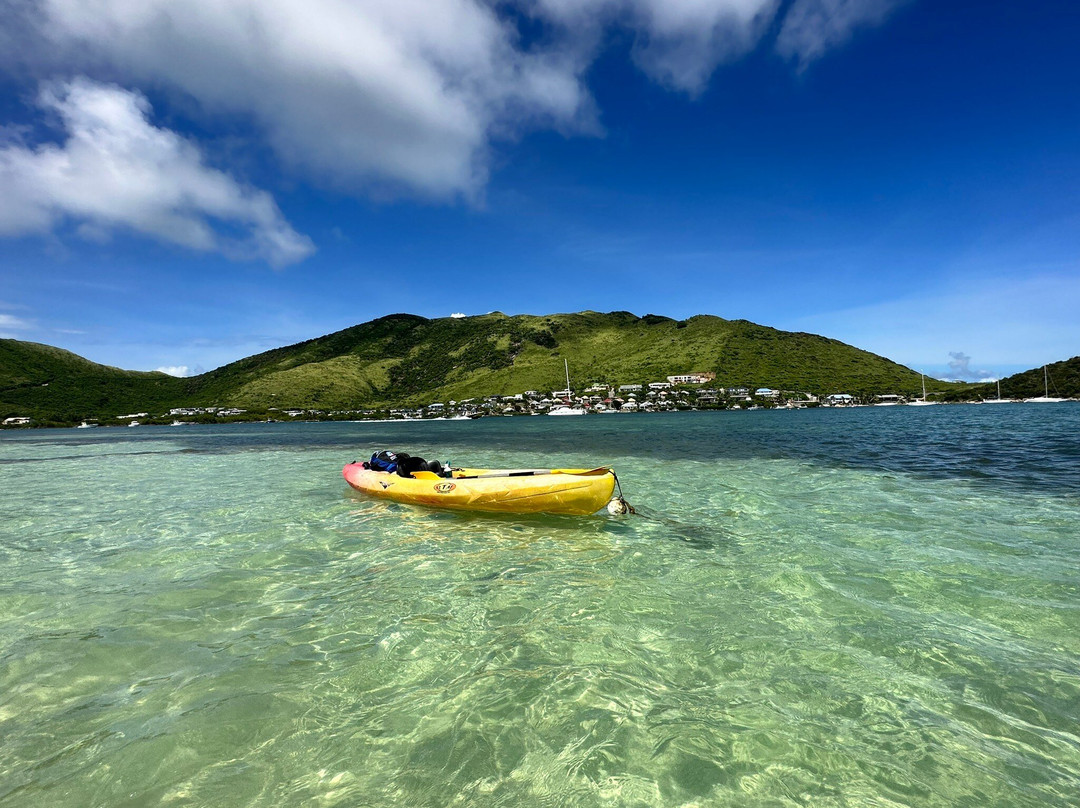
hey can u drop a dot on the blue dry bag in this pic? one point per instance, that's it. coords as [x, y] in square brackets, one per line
[383, 461]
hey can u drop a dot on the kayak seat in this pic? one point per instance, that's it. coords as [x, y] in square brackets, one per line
[407, 464]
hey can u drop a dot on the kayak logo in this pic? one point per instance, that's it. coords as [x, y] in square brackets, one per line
[445, 488]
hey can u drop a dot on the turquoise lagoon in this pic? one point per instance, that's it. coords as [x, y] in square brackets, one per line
[865, 607]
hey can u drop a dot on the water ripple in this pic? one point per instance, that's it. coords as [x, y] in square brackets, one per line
[883, 614]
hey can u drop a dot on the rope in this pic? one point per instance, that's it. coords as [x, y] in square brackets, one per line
[623, 506]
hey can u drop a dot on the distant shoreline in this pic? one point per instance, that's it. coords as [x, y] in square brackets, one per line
[159, 423]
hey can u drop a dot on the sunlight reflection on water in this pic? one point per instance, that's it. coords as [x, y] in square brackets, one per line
[224, 622]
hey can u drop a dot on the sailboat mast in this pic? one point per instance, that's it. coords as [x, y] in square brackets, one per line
[1046, 382]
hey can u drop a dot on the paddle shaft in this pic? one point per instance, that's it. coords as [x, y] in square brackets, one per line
[534, 473]
[430, 475]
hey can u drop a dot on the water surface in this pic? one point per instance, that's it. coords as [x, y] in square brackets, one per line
[864, 607]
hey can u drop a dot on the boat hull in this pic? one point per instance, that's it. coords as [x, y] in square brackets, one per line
[572, 491]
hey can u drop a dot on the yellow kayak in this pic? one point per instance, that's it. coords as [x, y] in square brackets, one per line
[568, 491]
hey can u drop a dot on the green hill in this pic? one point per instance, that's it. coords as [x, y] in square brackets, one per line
[51, 384]
[403, 359]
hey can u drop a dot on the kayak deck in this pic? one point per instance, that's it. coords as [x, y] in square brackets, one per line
[560, 491]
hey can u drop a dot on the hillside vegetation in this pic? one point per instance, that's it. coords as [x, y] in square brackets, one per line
[51, 384]
[403, 359]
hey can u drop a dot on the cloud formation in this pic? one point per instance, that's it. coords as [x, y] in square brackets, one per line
[116, 170]
[179, 371]
[396, 94]
[402, 96]
[812, 27]
[10, 326]
[960, 368]
[678, 44]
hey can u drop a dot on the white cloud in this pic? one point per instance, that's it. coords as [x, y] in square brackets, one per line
[175, 370]
[10, 326]
[679, 42]
[457, 315]
[960, 368]
[812, 27]
[395, 93]
[117, 170]
[392, 96]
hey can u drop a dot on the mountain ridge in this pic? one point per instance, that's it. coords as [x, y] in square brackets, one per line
[407, 360]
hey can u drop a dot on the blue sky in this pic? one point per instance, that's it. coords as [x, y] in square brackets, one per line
[182, 188]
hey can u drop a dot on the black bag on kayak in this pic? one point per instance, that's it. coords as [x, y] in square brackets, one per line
[407, 464]
[402, 463]
[383, 461]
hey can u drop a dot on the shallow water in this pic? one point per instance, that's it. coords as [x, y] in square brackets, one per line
[866, 607]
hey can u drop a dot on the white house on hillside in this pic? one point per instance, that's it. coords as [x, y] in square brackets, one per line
[692, 378]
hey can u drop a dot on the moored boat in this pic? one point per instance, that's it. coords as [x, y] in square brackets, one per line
[563, 410]
[1045, 398]
[999, 399]
[560, 491]
[566, 409]
[922, 402]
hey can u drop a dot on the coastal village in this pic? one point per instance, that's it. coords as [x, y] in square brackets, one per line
[680, 392]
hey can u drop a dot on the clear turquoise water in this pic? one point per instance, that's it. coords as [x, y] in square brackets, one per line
[872, 607]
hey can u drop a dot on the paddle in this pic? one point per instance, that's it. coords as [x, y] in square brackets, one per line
[539, 472]
[430, 475]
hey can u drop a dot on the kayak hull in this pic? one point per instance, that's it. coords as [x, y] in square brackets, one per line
[570, 491]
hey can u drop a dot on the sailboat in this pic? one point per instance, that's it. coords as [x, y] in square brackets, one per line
[922, 402]
[999, 399]
[1045, 398]
[566, 409]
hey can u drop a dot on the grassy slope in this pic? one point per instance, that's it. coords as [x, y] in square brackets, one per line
[600, 348]
[316, 385]
[41, 381]
[406, 359]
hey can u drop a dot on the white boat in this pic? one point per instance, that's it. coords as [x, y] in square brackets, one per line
[1045, 398]
[85, 425]
[566, 409]
[999, 399]
[922, 402]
